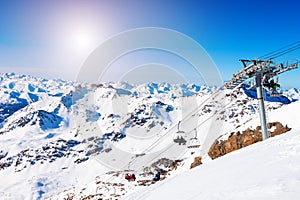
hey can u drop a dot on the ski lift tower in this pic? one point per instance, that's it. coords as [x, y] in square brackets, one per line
[259, 69]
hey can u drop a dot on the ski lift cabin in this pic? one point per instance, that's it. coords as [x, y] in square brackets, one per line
[179, 136]
[272, 86]
[194, 142]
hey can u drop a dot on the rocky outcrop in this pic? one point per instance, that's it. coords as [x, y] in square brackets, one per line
[49, 152]
[197, 162]
[239, 140]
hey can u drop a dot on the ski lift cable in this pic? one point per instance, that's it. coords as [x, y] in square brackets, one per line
[280, 49]
[286, 52]
[224, 107]
[215, 94]
[275, 55]
[184, 119]
[155, 143]
[159, 140]
[199, 125]
[188, 116]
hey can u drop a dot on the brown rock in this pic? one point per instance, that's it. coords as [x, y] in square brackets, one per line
[197, 162]
[239, 140]
[216, 150]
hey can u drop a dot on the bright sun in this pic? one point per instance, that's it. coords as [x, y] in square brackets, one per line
[82, 39]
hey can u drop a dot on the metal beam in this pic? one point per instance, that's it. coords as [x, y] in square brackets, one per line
[262, 111]
[258, 67]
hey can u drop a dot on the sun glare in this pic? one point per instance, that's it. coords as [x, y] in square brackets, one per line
[82, 40]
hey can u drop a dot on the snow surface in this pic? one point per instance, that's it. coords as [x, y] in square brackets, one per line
[266, 170]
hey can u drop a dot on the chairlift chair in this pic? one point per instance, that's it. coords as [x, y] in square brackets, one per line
[179, 136]
[269, 86]
[276, 92]
[194, 142]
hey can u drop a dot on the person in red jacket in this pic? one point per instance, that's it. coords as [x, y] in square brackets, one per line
[130, 177]
[127, 177]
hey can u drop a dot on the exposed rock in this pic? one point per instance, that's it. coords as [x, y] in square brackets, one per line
[197, 162]
[239, 140]
[165, 165]
[50, 152]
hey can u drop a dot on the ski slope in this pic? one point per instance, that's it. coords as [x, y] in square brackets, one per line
[265, 170]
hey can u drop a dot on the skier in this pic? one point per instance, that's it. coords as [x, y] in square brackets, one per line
[274, 85]
[130, 177]
[157, 177]
[127, 177]
[266, 83]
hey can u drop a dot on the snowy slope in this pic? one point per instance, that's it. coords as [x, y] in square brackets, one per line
[52, 131]
[265, 170]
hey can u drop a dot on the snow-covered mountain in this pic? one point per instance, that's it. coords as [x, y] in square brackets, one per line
[66, 140]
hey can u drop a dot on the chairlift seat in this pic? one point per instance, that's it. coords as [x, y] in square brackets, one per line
[194, 143]
[180, 140]
[275, 94]
[179, 136]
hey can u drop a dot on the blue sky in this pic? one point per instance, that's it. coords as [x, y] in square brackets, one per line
[53, 38]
